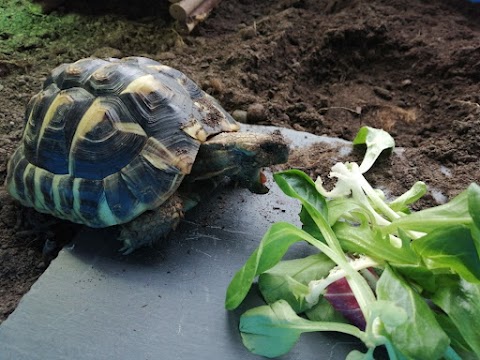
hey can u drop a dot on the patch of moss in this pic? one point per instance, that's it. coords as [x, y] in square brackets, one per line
[24, 27]
[26, 32]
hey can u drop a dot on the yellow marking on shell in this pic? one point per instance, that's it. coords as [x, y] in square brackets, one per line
[103, 210]
[76, 198]
[132, 128]
[35, 99]
[105, 213]
[39, 197]
[195, 130]
[160, 68]
[12, 189]
[173, 187]
[230, 126]
[56, 192]
[61, 99]
[141, 208]
[201, 106]
[145, 85]
[160, 157]
[92, 117]
[181, 80]
[26, 171]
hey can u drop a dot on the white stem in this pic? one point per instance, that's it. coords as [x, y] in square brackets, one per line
[318, 287]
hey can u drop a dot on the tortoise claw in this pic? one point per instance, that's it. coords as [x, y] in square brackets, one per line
[49, 251]
[126, 249]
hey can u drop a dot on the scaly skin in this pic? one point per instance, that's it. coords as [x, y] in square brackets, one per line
[152, 225]
[240, 156]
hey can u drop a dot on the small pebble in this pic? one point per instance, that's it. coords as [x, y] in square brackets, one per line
[167, 55]
[107, 52]
[255, 113]
[299, 127]
[382, 93]
[217, 85]
[248, 33]
[283, 119]
[406, 82]
[240, 116]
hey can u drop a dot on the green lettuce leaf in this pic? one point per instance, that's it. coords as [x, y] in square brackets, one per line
[473, 192]
[376, 141]
[456, 339]
[413, 194]
[450, 248]
[289, 280]
[324, 311]
[272, 330]
[461, 302]
[455, 212]
[420, 336]
[270, 251]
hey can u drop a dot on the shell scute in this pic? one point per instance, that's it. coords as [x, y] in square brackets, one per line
[87, 195]
[44, 190]
[190, 86]
[107, 138]
[152, 108]
[112, 79]
[16, 169]
[29, 181]
[76, 74]
[119, 198]
[48, 140]
[156, 185]
[38, 107]
[137, 61]
[63, 196]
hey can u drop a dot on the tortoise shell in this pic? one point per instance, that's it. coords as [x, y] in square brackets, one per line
[106, 140]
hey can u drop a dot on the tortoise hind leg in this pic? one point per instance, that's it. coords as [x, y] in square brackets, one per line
[152, 225]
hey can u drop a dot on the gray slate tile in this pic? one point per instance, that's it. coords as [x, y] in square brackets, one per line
[162, 303]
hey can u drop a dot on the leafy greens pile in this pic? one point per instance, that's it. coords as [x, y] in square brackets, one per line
[413, 278]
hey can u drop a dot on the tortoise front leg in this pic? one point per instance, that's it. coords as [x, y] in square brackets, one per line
[152, 225]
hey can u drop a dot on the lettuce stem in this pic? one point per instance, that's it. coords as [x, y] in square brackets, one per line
[317, 287]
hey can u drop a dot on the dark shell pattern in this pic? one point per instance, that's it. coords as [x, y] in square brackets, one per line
[109, 139]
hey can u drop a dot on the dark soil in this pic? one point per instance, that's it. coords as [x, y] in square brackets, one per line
[328, 67]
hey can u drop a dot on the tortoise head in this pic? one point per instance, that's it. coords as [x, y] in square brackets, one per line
[241, 156]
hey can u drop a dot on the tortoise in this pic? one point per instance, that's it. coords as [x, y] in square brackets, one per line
[131, 142]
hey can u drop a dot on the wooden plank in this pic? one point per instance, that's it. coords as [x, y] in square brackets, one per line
[190, 13]
[181, 10]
